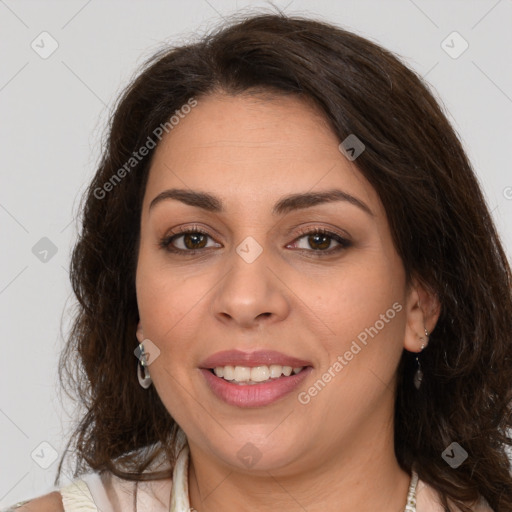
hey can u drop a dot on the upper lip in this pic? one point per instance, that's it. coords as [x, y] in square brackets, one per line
[251, 359]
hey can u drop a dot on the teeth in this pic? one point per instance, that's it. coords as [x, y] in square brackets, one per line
[229, 372]
[242, 374]
[275, 371]
[259, 373]
[255, 374]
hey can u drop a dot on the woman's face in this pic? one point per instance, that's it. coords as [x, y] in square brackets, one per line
[333, 304]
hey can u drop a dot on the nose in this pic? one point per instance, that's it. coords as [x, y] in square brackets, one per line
[251, 293]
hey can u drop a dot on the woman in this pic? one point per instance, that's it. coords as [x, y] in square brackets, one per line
[287, 234]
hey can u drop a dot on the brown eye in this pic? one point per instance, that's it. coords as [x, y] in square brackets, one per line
[320, 240]
[186, 241]
[194, 240]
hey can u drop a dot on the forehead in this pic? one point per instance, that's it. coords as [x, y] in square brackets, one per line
[253, 149]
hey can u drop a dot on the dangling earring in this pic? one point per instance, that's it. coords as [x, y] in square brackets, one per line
[418, 376]
[145, 381]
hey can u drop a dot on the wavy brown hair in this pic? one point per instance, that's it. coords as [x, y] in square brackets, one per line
[440, 224]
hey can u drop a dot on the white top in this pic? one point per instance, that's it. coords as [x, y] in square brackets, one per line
[108, 493]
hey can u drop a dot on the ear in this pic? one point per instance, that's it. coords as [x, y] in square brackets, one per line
[140, 333]
[422, 311]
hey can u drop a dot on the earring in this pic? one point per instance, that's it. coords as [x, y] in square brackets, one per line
[418, 376]
[145, 381]
[424, 340]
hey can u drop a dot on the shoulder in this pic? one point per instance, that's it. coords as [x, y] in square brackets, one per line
[51, 502]
[105, 492]
[73, 497]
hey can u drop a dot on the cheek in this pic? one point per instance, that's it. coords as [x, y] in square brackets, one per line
[367, 334]
[361, 358]
[364, 309]
[161, 298]
[166, 308]
[356, 298]
[172, 310]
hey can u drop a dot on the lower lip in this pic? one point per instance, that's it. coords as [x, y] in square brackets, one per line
[254, 395]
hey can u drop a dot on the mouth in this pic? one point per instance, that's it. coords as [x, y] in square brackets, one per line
[256, 379]
[253, 379]
[251, 376]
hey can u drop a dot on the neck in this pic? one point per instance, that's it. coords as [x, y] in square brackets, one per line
[362, 475]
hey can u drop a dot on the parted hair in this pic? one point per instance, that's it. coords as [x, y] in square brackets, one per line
[441, 227]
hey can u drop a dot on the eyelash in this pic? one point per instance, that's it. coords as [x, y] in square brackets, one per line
[166, 241]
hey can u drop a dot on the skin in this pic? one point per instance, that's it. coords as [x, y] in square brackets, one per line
[336, 452]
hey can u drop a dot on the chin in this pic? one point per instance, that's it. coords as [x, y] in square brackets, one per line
[258, 452]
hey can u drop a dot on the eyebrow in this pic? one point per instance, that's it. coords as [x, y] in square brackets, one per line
[285, 205]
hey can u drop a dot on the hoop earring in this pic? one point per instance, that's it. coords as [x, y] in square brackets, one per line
[145, 381]
[418, 376]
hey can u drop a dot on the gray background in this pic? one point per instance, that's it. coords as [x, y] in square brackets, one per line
[54, 110]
